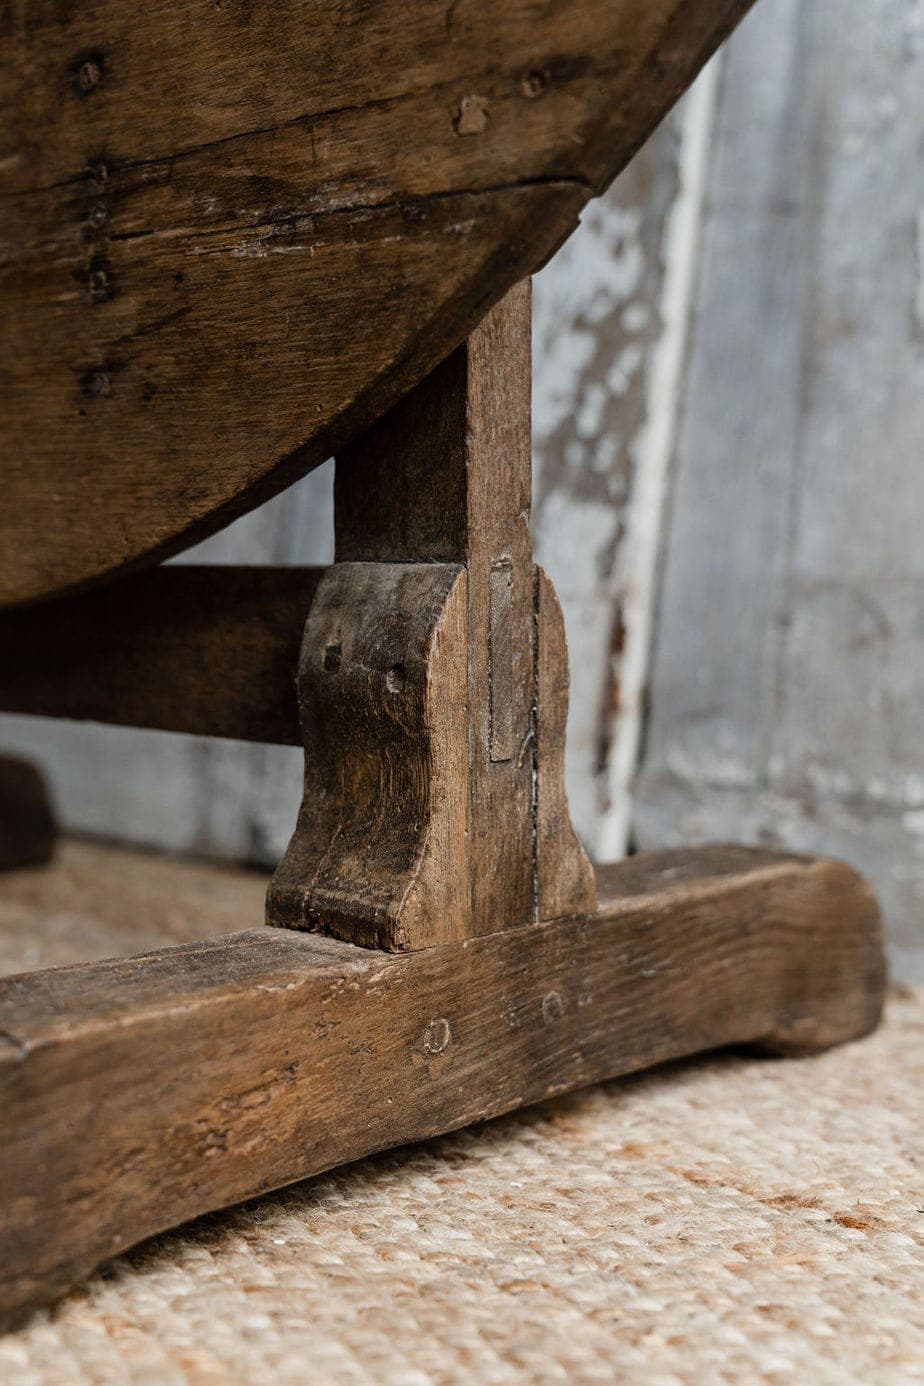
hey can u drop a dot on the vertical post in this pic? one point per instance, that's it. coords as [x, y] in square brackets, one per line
[442, 483]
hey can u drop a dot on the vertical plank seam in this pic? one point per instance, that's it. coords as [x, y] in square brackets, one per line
[641, 561]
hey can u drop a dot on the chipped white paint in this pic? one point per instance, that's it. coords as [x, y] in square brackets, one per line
[653, 448]
[596, 322]
[788, 690]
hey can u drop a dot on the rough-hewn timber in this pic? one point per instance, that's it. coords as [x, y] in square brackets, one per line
[141, 1092]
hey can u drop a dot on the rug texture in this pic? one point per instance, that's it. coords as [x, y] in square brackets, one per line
[725, 1220]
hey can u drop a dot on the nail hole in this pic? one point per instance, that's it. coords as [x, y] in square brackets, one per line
[100, 282]
[89, 73]
[552, 1009]
[96, 384]
[98, 171]
[533, 84]
[396, 678]
[332, 657]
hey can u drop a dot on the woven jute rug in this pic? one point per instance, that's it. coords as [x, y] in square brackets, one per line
[725, 1220]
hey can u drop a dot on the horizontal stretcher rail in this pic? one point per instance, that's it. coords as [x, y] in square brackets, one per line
[208, 650]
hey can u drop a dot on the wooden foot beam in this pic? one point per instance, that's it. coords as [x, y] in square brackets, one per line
[142, 1092]
[433, 680]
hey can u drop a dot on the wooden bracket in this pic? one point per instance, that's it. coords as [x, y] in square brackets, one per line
[433, 677]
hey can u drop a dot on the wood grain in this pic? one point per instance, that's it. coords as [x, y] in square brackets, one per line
[142, 1092]
[381, 853]
[447, 475]
[234, 235]
[208, 650]
[419, 674]
[564, 881]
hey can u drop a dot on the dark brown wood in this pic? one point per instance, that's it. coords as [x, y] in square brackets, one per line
[142, 1092]
[207, 650]
[447, 475]
[27, 822]
[564, 881]
[233, 235]
[420, 699]
[380, 854]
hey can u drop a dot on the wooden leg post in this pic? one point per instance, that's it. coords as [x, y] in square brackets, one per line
[439, 954]
[433, 677]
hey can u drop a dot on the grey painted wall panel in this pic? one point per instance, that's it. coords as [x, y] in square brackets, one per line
[788, 677]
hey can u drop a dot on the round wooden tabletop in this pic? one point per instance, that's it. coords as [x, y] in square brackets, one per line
[233, 233]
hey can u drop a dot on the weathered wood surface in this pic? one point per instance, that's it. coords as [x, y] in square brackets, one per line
[233, 236]
[446, 476]
[427, 814]
[563, 876]
[27, 822]
[787, 693]
[380, 852]
[211, 651]
[142, 1092]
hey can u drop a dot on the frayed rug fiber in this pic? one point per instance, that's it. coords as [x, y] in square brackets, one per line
[729, 1219]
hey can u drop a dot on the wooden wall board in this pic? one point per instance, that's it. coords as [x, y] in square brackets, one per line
[788, 679]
